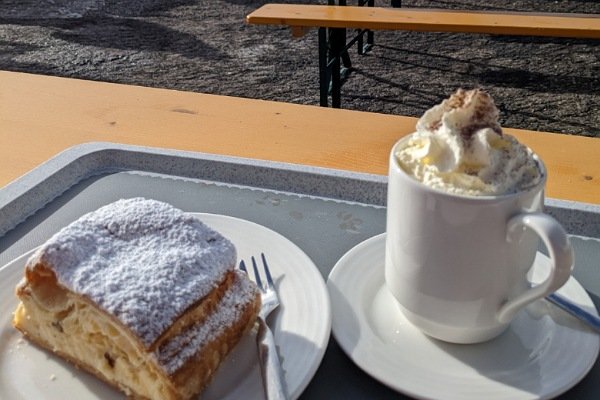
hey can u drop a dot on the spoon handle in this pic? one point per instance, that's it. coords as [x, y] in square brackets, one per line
[573, 309]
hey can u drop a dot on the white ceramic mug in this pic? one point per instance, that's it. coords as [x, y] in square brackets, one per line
[457, 265]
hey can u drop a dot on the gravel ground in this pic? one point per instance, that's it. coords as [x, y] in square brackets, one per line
[547, 84]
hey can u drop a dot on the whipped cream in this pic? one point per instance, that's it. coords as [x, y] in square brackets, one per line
[459, 147]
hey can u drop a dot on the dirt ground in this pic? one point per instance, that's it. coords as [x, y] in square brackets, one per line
[547, 84]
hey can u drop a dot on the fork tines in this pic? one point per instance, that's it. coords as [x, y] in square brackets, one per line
[257, 278]
[266, 268]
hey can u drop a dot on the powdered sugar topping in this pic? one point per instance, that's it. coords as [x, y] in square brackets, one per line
[142, 261]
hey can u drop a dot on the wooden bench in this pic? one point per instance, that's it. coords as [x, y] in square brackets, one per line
[333, 21]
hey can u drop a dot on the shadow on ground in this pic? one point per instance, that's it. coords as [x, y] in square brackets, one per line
[547, 84]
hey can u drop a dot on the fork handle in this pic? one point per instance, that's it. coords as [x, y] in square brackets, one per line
[270, 365]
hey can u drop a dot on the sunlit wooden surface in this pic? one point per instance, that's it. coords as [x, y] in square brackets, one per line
[40, 116]
[505, 23]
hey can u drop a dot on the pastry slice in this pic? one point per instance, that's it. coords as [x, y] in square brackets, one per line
[140, 294]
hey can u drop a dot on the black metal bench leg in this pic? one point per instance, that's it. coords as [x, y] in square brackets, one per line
[345, 56]
[360, 44]
[370, 35]
[323, 69]
[336, 84]
[396, 3]
[337, 42]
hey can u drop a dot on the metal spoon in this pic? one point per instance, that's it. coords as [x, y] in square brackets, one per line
[592, 320]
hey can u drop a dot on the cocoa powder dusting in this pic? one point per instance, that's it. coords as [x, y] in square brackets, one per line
[485, 114]
[459, 99]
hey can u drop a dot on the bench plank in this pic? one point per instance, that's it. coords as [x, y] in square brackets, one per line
[428, 20]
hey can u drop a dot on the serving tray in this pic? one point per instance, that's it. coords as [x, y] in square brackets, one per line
[325, 212]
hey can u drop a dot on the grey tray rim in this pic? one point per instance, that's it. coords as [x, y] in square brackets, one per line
[32, 191]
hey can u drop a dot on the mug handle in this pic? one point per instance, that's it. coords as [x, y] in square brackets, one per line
[561, 255]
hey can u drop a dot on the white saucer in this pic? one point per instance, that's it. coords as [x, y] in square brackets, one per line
[543, 353]
[301, 327]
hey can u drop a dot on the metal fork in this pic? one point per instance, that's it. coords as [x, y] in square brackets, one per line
[270, 366]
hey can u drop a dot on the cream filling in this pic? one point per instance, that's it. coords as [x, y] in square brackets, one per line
[77, 330]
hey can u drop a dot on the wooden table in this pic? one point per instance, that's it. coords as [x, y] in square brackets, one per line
[40, 116]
